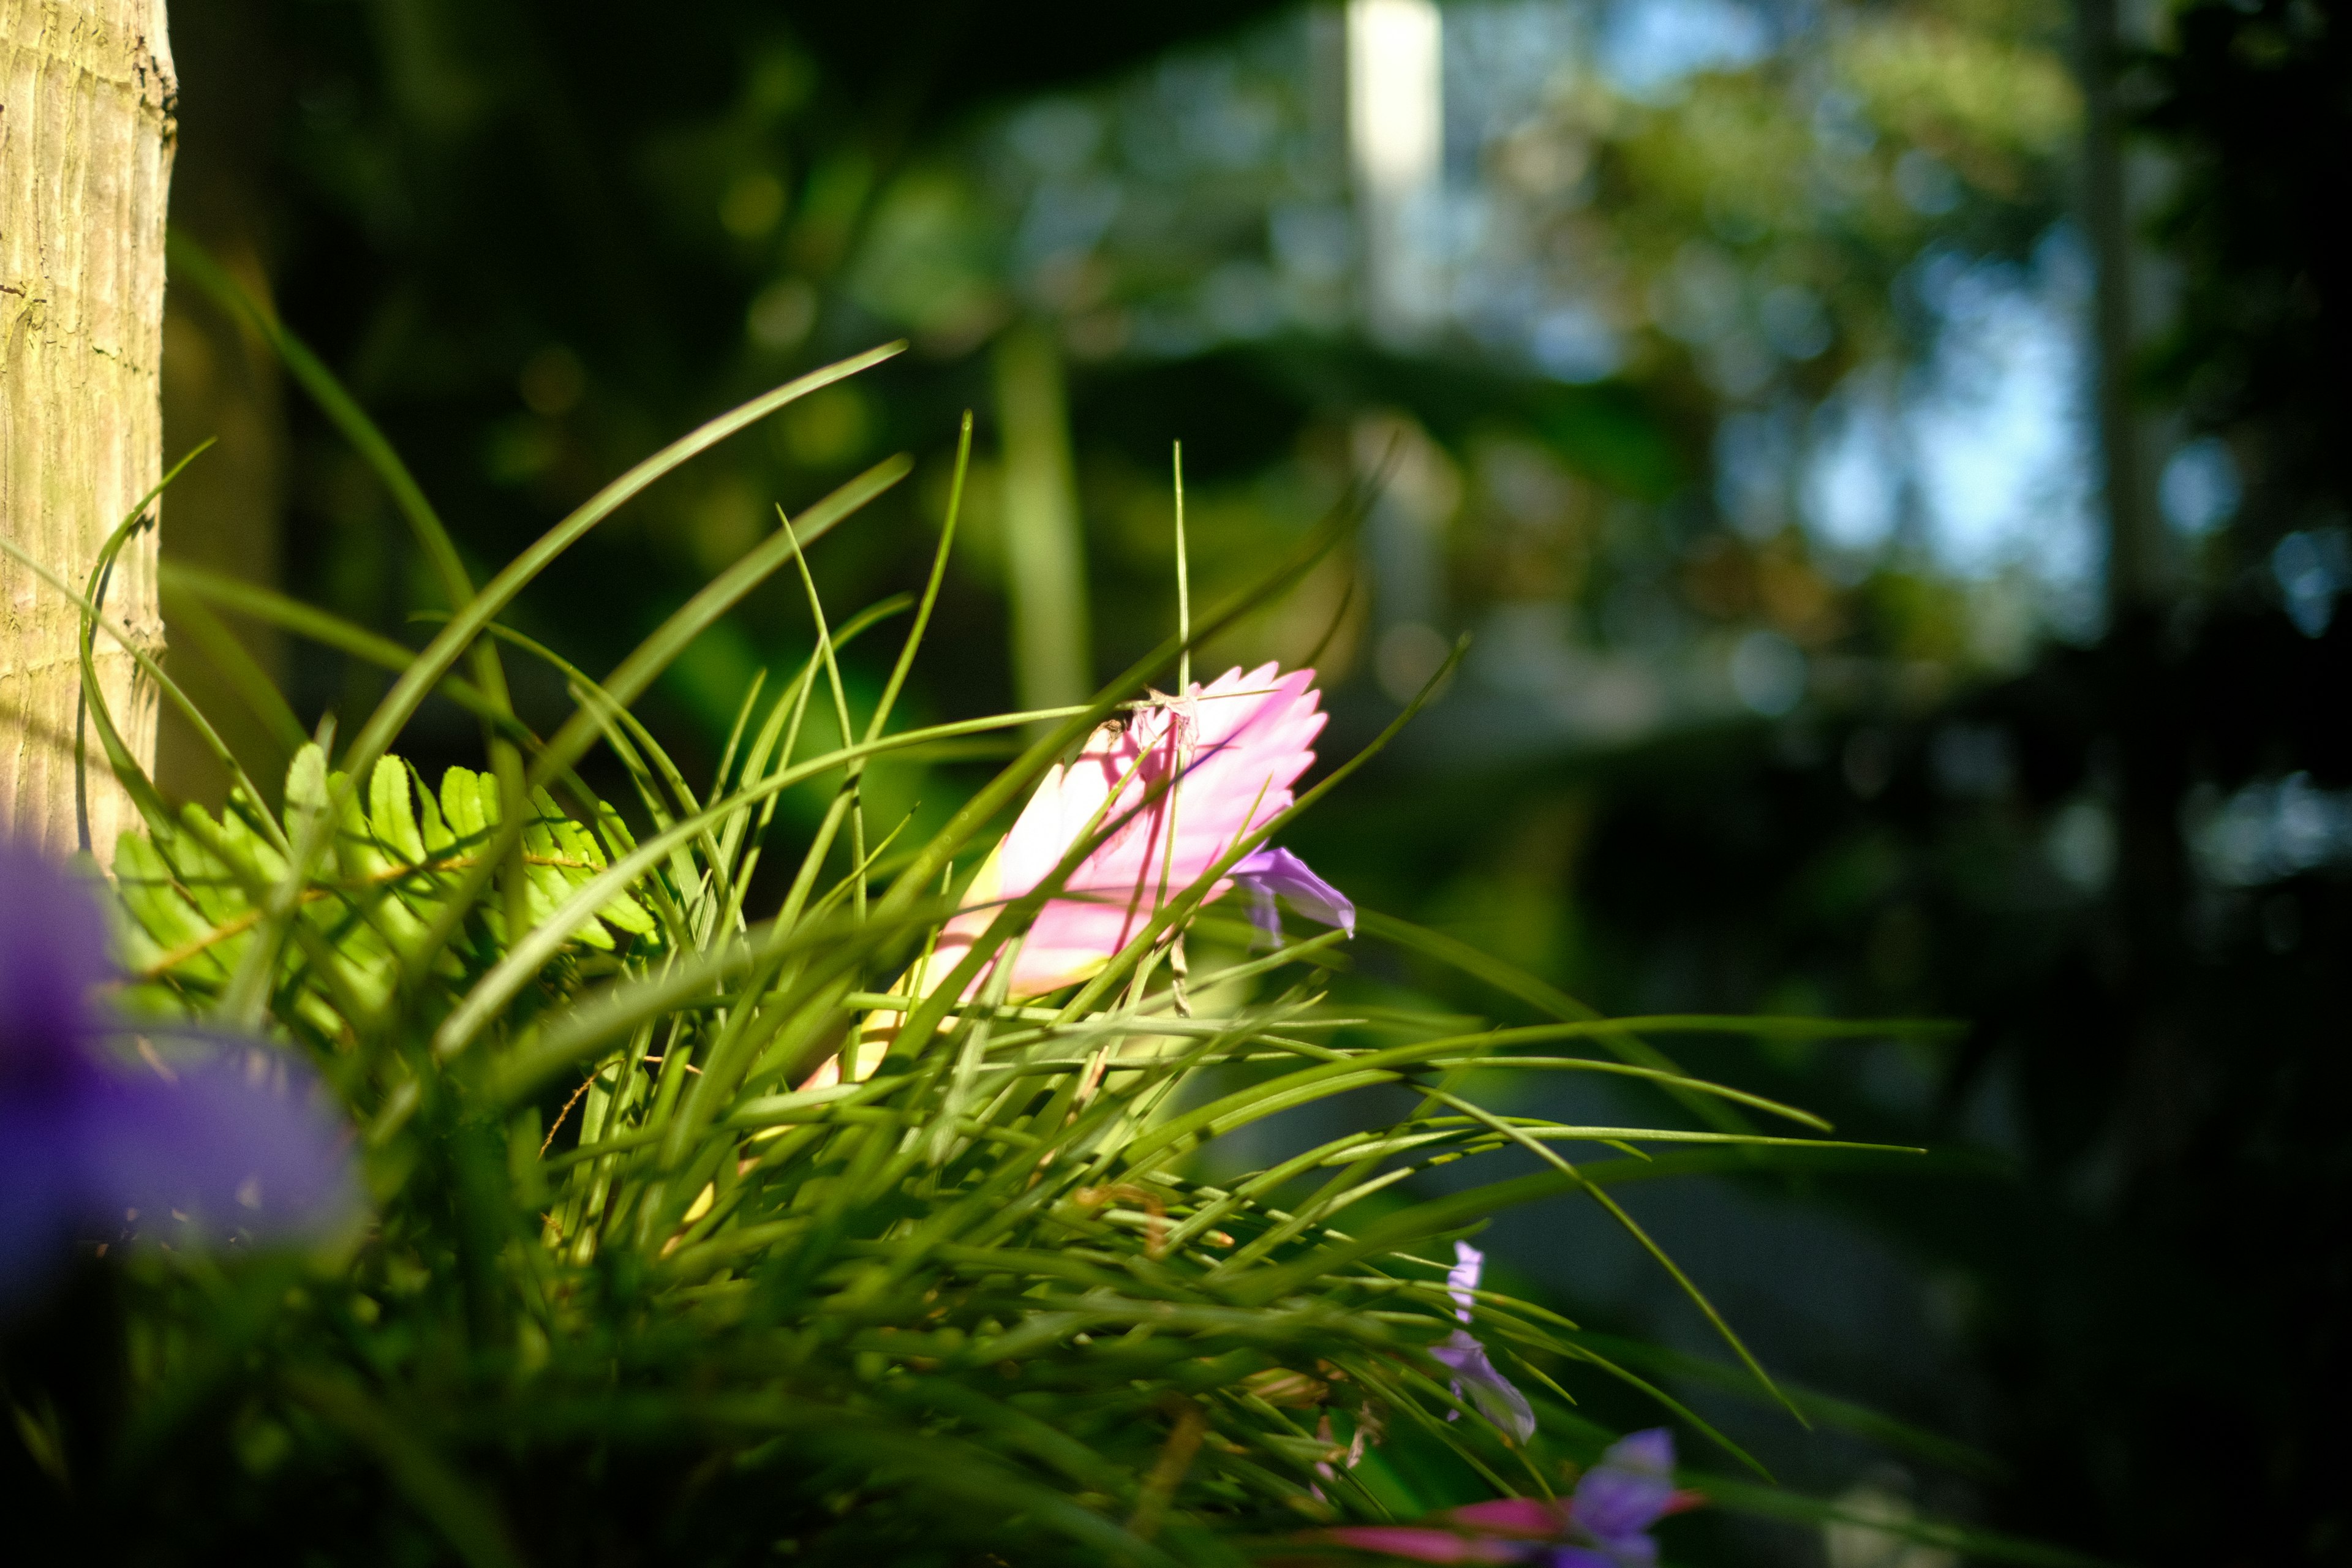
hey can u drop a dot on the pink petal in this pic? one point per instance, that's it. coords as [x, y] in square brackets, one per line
[1515, 1515]
[1421, 1545]
[1236, 747]
[1234, 768]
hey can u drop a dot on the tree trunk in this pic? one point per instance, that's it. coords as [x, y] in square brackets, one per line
[2140, 563]
[87, 100]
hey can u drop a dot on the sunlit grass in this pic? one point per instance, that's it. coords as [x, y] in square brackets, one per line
[630, 1282]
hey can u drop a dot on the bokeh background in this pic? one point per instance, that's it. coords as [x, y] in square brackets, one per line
[1890, 457]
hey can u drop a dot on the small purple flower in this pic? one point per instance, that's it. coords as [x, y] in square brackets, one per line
[1629, 1491]
[1493, 1395]
[222, 1141]
[1604, 1524]
[1462, 1279]
[1263, 873]
[1617, 1501]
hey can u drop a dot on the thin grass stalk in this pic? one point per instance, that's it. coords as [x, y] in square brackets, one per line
[854, 770]
[744, 711]
[193, 617]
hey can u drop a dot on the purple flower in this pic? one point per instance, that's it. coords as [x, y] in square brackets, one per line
[1462, 1279]
[1493, 1395]
[1263, 873]
[1629, 1491]
[1605, 1524]
[218, 1138]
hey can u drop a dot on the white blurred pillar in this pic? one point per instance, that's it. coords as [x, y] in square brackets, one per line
[1396, 146]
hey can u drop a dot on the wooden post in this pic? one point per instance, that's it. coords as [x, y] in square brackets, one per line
[86, 101]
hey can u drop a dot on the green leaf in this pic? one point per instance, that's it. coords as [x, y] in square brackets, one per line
[461, 804]
[390, 812]
[437, 839]
[306, 787]
[148, 887]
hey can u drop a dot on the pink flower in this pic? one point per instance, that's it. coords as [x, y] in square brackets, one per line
[1422, 1545]
[1234, 749]
[1169, 790]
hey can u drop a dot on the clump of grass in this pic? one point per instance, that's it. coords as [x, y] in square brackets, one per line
[631, 1294]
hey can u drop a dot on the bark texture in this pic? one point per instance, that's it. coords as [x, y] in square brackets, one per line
[87, 104]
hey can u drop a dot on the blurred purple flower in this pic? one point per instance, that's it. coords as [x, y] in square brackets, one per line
[1263, 873]
[1619, 1499]
[1462, 1279]
[1493, 1395]
[226, 1141]
[1605, 1524]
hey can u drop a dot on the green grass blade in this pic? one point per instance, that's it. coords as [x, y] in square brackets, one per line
[1183, 584]
[1826, 1410]
[1974, 1545]
[341, 409]
[906, 663]
[226, 653]
[744, 711]
[1513, 980]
